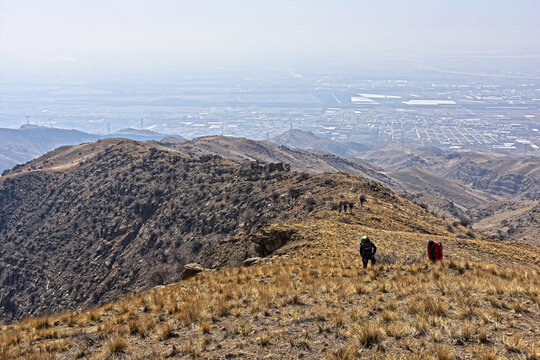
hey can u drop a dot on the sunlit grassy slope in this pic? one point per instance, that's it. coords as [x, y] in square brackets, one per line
[313, 299]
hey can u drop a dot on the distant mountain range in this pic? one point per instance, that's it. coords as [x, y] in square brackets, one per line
[487, 189]
[498, 192]
[296, 138]
[28, 142]
[18, 146]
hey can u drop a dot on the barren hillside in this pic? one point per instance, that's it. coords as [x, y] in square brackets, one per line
[85, 224]
[102, 221]
[492, 190]
[245, 150]
[419, 180]
[519, 220]
[509, 176]
[312, 299]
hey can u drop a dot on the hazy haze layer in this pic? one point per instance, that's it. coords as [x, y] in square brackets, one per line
[140, 34]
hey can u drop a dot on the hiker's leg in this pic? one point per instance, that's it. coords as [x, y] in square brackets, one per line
[373, 261]
[364, 262]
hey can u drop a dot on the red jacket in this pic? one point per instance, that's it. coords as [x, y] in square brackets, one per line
[435, 252]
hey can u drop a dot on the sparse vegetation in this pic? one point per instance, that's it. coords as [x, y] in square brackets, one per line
[311, 295]
[408, 313]
[116, 345]
[369, 335]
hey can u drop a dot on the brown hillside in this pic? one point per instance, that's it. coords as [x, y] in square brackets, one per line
[245, 150]
[505, 175]
[86, 224]
[519, 220]
[313, 300]
[308, 297]
[421, 181]
[498, 174]
[492, 190]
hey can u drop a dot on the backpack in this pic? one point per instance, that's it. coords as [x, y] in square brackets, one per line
[366, 249]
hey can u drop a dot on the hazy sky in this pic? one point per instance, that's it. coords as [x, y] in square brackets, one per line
[109, 33]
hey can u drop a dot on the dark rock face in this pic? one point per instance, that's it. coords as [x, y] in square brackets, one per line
[271, 240]
[127, 218]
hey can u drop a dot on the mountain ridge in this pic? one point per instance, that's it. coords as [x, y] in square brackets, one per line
[115, 203]
[18, 146]
[296, 138]
[103, 218]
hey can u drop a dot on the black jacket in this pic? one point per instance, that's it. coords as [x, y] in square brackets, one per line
[368, 249]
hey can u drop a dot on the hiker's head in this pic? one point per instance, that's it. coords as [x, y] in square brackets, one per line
[365, 239]
[430, 243]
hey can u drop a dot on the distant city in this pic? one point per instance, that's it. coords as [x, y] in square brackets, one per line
[424, 106]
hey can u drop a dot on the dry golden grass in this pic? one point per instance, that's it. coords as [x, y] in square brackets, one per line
[116, 345]
[480, 302]
[368, 334]
[514, 343]
[264, 339]
[165, 331]
[94, 314]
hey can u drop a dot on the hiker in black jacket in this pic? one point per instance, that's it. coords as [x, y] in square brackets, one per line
[367, 251]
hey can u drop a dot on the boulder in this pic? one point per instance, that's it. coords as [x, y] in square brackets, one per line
[251, 261]
[191, 270]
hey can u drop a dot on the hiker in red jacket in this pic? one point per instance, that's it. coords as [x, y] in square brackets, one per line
[434, 251]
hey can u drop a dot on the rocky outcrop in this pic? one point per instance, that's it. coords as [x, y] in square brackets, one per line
[251, 261]
[502, 184]
[269, 240]
[191, 270]
[249, 249]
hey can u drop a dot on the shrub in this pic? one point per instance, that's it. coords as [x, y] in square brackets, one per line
[345, 353]
[310, 203]
[483, 335]
[464, 221]
[514, 343]
[117, 345]
[165, 332]
[264, 339]
[345, 220]
[294, 193]
[370, 335]
[443, 352]
[205, 327]
[387, 258]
